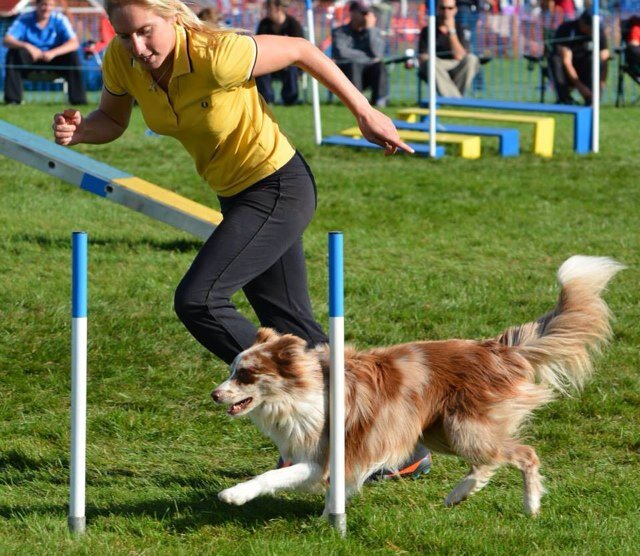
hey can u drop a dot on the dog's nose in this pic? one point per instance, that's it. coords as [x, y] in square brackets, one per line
[216, 396]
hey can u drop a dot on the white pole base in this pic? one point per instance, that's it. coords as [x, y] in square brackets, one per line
[339, 523]
[77, 525]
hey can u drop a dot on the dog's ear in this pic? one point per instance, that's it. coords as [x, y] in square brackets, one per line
[287, 347]
[265, 334]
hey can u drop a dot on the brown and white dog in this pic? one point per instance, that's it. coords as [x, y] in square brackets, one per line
[460, 397]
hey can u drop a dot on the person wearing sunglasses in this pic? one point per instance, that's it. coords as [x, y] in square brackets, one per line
[456, 66]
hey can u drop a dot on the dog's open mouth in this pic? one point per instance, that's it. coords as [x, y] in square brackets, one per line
[239, 406]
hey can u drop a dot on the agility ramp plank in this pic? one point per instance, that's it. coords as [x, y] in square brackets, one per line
[470, 146]
[508, 138]
[543, 126]
[342, 141]
[582, 115]
[107, 181]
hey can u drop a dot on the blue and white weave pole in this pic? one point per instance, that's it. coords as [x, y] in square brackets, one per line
[337, 496]
[77, 519]
[595, 85]
[315, 95]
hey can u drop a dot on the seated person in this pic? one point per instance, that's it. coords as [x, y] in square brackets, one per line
[357, 48]
[42, 38]
[278, 22]
[456, 67]
[633, 45]
[106, 33]
[211, 16]
[572, 62]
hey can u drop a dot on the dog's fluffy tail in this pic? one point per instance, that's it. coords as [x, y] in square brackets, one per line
[559, 344]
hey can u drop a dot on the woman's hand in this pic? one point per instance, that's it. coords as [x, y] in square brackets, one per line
[67, 127]
[378, 128]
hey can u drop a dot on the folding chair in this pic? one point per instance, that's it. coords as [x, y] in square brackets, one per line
[543, 61]
[44, 76]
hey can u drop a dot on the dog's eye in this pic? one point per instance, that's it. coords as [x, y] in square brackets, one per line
[245, 376]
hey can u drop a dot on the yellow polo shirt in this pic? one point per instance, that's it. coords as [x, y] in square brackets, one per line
[213, 107]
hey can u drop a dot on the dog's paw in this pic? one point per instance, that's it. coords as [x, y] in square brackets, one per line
[456, 496]
[532, 507]
[237, 495]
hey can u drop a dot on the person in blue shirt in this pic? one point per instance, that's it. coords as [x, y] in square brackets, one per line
[42, 39]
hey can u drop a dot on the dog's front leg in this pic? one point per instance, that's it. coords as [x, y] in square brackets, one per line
[292, 477]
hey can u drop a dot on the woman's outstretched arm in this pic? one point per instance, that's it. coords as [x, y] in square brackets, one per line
[276, 53]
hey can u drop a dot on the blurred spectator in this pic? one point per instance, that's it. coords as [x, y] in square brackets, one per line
[42, 39]
[564, 9]
[455, 65]
[467, 16]
[278, 22]
[572, 60]
[211, 16]
[633, 43]
[358, 50]
[106, 33]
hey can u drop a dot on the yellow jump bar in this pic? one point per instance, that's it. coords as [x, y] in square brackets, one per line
[470, 145]
[543, 126]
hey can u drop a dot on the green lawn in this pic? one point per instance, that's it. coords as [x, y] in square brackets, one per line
[433, 249]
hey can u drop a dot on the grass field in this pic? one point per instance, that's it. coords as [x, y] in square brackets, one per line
[434, 249]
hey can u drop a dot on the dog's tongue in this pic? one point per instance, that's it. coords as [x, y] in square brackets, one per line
[239, 406]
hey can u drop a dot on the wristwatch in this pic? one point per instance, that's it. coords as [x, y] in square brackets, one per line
[453, 31]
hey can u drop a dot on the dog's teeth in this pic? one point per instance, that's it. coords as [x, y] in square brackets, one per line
[239, 406]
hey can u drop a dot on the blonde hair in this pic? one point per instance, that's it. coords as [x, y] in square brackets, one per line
[167, 9]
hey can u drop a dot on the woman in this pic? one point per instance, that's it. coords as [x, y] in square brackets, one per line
[198, 85]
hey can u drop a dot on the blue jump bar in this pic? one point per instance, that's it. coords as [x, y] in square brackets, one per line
[79, 275]
[336, 275]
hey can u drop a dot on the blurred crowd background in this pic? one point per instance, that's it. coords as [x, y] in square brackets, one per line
[511, 33]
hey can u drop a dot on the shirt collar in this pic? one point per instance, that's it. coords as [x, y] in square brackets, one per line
[181, 60]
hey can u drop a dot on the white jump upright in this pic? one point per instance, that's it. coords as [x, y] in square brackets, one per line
[595, 85]
[431, 68]
[77, 519]
[315, 95]
[337, 496]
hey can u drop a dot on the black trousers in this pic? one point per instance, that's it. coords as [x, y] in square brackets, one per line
[20, 64]
[583, 68]
[633, 58]
[372, 76]
[289, 77]
[257, 247]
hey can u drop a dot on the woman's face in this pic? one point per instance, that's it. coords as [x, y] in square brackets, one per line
[149, 37]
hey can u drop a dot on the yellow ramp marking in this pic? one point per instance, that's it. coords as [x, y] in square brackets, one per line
[470, 145]
[167, 197]
[543, 126]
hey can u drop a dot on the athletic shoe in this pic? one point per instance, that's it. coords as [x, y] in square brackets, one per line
[417, 465]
